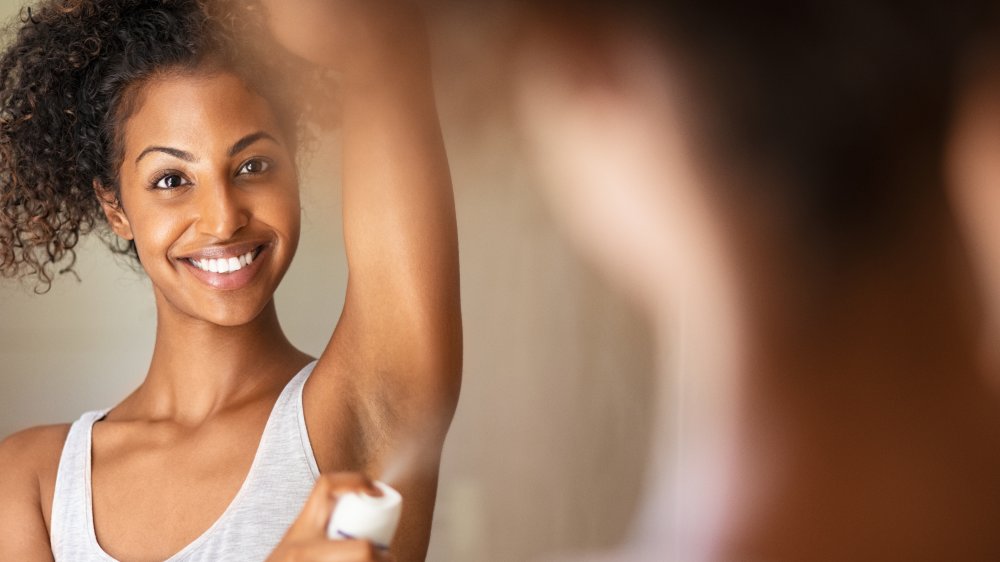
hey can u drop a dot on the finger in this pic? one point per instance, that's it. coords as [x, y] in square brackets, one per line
[315, 515]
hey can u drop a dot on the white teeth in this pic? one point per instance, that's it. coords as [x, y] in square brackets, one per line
[224, 265]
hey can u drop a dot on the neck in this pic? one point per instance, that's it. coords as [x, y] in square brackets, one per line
[199, 368]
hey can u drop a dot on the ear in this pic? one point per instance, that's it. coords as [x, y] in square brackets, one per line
[114, 211]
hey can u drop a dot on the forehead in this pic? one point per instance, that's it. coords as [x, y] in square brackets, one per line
[198, 112]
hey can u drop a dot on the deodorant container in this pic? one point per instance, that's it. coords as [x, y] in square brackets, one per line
[363, 517]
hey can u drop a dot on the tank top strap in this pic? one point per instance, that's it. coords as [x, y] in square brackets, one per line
[286, 438]
[71, 514]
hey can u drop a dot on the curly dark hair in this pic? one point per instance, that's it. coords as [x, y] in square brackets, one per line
[67, 83]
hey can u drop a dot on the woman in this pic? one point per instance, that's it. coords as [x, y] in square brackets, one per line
[143, 114]
[770, 181]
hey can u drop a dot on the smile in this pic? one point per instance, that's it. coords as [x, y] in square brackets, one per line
[227, 270]
[226, 264]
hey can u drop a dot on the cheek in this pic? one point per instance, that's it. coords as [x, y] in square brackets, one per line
[153, 236]
[153, 228]
[281, 209]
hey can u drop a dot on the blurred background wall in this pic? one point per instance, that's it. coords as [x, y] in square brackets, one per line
[547, 450]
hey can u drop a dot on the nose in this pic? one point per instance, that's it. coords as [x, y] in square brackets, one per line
[221, 210]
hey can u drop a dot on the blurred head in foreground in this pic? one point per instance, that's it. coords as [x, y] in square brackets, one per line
[772, 183]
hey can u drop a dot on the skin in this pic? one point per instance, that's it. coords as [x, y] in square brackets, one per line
[817, 421]
[385, 387]
[975, 179]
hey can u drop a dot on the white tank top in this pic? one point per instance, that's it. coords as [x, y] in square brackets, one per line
[280, 479]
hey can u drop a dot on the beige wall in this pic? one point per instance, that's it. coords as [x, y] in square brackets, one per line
[547, 448]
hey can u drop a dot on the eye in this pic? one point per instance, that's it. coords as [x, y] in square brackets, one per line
[254, 166]
[170, 181]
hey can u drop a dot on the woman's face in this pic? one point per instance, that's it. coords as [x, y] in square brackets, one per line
[209, 194]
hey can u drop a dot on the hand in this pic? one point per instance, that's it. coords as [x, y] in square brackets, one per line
[356, 37]
[306, 539]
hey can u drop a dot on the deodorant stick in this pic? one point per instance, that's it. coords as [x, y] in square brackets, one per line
[363, 517]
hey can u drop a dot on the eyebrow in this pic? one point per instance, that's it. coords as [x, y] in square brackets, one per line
[248, 140]
[186, 156]
[237, 147]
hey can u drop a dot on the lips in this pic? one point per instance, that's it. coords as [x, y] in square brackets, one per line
[227, 267]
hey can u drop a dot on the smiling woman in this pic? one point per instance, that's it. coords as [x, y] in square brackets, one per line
[201, 192]
[144, 120]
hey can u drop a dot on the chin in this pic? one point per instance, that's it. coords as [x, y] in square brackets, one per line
[226, 310]
[229, 319]
[230, 315]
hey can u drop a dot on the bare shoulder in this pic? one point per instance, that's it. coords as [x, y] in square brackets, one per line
[29, 462]
[37, 438]
[33, 450]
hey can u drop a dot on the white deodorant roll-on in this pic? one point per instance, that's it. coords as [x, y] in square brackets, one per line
[364, 517]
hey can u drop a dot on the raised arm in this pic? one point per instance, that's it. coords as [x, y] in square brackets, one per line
[396, 353]
[401, 323]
